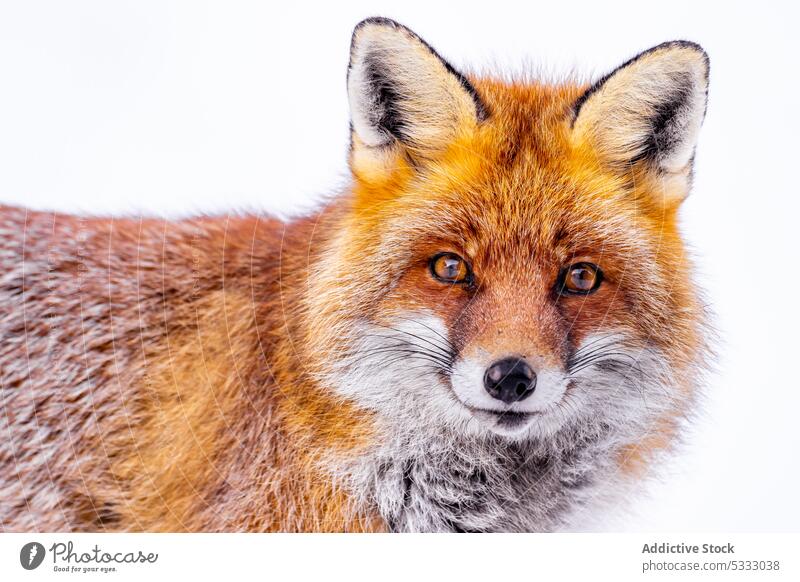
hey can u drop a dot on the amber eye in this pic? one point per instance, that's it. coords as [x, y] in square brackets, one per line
[580, 279]
[450, 268]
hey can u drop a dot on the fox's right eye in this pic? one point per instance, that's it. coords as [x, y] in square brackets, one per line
[450, 268]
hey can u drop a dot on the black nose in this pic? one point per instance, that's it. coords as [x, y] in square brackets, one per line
[510, 380]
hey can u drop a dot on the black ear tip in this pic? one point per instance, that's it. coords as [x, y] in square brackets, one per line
[684, 44]
[681, 43]
[690, 44]
[377, 21]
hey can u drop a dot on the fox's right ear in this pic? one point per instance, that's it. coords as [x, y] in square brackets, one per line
[404, 97]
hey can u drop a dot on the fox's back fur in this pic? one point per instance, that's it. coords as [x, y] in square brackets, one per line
[141, 364]
[218, 373]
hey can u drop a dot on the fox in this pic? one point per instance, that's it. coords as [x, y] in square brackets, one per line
[492, 327]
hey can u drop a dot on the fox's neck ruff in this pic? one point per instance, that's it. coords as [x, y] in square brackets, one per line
[442, 481]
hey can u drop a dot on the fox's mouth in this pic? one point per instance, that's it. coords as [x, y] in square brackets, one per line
[504, 421]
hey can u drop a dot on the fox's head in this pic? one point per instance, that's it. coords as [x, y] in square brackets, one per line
[508, 262]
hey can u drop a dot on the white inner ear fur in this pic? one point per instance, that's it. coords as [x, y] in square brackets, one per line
[657, 101]
[393, 74]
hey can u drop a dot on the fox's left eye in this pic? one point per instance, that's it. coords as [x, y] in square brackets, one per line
[580, 279]
[450, 268]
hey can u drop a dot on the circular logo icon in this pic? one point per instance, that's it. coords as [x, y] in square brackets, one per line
[31, 555]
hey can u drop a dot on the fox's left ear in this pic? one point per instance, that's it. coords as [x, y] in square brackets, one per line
[404, 97]
[649, 110]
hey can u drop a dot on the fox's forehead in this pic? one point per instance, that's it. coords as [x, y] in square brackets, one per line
[518, 173]
[526, 137]
[529, 117]
[486, 200]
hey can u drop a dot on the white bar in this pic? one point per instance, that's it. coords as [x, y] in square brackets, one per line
[352, 557]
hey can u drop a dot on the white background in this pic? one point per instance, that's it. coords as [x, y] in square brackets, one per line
[173, 108]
